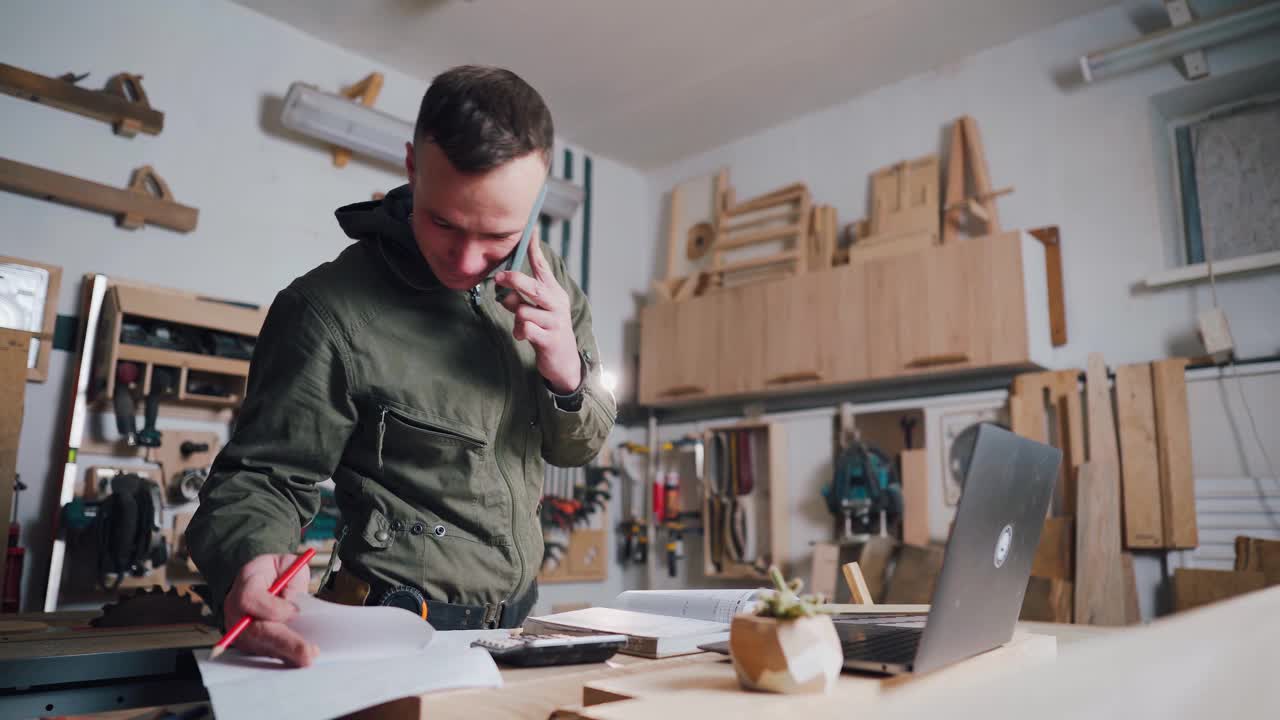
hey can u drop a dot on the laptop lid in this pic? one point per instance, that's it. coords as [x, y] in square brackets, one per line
[994, 536]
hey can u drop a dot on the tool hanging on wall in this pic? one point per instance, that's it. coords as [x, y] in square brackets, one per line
[124, 527]
[122, 102]
[865, 495]
[147, 199]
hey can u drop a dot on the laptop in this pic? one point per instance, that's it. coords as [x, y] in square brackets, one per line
[978, 595]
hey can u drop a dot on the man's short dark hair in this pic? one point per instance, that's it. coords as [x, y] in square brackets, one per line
[482, 117]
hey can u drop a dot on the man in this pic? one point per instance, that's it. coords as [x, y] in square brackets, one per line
[397, 371]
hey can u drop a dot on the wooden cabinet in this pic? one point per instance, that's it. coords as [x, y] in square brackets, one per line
[967, 305]
[680, 350]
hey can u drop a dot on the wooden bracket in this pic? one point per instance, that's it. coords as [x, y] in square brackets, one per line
[366, 93]
[146, 200]
[1049, 237]
[122, 103]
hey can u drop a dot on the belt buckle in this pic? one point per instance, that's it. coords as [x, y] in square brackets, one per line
[493, 614]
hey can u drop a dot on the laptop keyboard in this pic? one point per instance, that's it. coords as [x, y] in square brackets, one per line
[880, 643]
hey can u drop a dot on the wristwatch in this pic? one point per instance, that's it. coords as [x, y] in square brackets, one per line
[572, 402]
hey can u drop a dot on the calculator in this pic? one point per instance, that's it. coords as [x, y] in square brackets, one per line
[551, 649]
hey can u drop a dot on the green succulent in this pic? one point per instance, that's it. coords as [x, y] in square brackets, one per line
[785, 601]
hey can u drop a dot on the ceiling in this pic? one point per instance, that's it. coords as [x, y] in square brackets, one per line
[650, 82]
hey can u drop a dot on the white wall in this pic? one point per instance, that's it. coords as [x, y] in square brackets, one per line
[218, 71]
[1082, 158]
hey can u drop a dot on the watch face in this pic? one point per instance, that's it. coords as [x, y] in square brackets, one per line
[1003, 544]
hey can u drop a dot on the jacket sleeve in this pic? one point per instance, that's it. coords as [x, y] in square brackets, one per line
[571, 438]
[290, 433]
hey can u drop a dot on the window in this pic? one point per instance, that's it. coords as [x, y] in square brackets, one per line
[1228, 179]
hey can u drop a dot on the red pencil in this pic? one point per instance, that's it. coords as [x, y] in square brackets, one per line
[275, 589]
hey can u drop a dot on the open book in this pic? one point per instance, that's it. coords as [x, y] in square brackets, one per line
[657, 623]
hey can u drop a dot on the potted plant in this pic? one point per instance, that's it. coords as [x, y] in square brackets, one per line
[788, 645]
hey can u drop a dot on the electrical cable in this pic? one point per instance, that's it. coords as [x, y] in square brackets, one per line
[1232, 371]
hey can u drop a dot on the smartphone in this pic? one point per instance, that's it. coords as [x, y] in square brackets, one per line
[522, 249]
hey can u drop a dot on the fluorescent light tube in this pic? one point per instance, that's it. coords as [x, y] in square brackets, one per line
[1174, 42]
[367, 131]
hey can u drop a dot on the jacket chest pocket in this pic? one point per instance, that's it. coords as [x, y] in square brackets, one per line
[428, 456]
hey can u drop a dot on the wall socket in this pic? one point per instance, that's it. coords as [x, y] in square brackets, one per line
[1215, 333]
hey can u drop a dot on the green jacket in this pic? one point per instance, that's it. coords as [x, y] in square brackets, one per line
[431, 419]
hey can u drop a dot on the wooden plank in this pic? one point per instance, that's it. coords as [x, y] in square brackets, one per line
[1099, 572]
[725, 241]
[45, 184]
[1054, 555]
[128, 116]
[787, 216]
[915, 575]
[13, 385]
[191, 361]
[1132, 612]
[1047, 600]
[1173, 443]
[673, 232]
[874, 558]
[977, 162]
[823, 570]
[955, 179]
[1261, 555]
[915, 497]
[1140, 469]
[857, 585]
[1026, 414]
[1194, 587]
[788, 193]
[1065, 393]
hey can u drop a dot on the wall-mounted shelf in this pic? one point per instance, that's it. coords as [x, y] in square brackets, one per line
[202, 378]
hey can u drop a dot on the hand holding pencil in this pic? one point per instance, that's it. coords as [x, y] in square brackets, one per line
[257, 608]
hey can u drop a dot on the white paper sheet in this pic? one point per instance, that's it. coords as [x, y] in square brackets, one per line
[368, 655]
[710, 605]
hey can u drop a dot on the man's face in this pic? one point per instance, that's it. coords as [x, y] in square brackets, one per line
[466, 225]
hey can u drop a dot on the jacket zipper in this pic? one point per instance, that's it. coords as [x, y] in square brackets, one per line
[497, 456]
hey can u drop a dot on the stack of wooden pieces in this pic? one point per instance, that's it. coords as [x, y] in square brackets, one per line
[904, 212]
[1129, 487]
[763, 238]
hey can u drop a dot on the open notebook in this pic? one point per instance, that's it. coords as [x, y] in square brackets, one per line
[368, 655]
[657, 623]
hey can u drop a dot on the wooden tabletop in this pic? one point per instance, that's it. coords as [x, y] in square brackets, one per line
[685, 686]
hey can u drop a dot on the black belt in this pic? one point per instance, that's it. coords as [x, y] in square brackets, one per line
[456, 616]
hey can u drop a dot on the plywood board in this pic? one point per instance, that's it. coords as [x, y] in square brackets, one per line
[693, 202]
[1140, 468]
[1099, 572]
[824, 569]
[13, 385]
[915, 497]
[915, 575]
[1047, 600]
[1055, 555]
[1194, 587]
[1173, 442]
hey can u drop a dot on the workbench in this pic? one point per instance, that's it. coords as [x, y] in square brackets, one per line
[692, 685]
[1215, 661]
